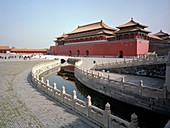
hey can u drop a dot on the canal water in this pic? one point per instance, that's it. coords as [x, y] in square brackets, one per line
[146, 118]
[69, 85]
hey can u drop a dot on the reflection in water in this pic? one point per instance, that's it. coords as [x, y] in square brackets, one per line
[147, 119]
[69, 85]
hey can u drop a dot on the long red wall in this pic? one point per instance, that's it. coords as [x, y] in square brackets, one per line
[132, 48]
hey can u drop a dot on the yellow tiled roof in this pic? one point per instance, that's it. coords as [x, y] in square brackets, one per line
[93, 26]
[131, 23]
[4, 48]
[154, 36]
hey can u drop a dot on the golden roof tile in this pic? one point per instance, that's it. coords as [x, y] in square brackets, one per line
[4, 48]
[93, 26]
[154, 36]
[161, 33]
[132, 30]
[131, 23]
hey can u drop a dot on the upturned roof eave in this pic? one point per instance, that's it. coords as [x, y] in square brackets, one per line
[99, 25]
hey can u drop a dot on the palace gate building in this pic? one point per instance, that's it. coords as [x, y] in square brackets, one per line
[98, 39]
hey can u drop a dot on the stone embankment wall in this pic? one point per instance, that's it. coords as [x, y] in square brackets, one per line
[103, 118]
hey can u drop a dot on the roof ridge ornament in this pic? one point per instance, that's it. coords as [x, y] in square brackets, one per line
[101, 23]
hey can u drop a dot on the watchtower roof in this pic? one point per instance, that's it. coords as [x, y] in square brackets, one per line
[161, 33]
[131, 23]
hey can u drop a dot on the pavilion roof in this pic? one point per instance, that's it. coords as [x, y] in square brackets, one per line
[93, 26]
[132, 30]
[154, 36]
[161, 33]
[4, 48]
[131, 23]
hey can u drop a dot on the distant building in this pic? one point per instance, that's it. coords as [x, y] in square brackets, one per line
[160, 37]
[159, 42]
[6, 49]
[28, 51]
[98, 39]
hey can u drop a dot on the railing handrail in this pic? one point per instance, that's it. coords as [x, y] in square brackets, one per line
[90, 73]
[133, 62]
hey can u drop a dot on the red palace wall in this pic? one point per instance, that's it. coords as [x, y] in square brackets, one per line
[131, 48]
[142, 47]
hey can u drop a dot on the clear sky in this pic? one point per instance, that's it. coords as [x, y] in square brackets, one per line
[35, 23]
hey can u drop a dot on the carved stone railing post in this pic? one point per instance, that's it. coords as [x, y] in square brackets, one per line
[108, 78]
[107, 112]
[74, 96]
[54, 88]
[63, 91]
[140, 89]
[134, 121]
[88, 105]
[144, 59]
[116, 62]
[98, 75]
[133, 61]
[155, 57]
[124, 62]
[48, 84]
[122, 82]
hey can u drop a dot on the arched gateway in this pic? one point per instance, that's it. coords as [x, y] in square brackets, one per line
[78, 52]
[87, 53]
[121, 54]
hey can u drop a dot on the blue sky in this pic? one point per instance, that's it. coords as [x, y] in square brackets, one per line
[35, 23]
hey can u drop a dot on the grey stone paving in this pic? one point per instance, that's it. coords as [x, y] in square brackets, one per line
[22, 106]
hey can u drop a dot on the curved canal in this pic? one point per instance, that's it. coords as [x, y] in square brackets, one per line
[147, 119]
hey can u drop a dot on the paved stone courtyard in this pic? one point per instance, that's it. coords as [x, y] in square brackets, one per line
[22, 106]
